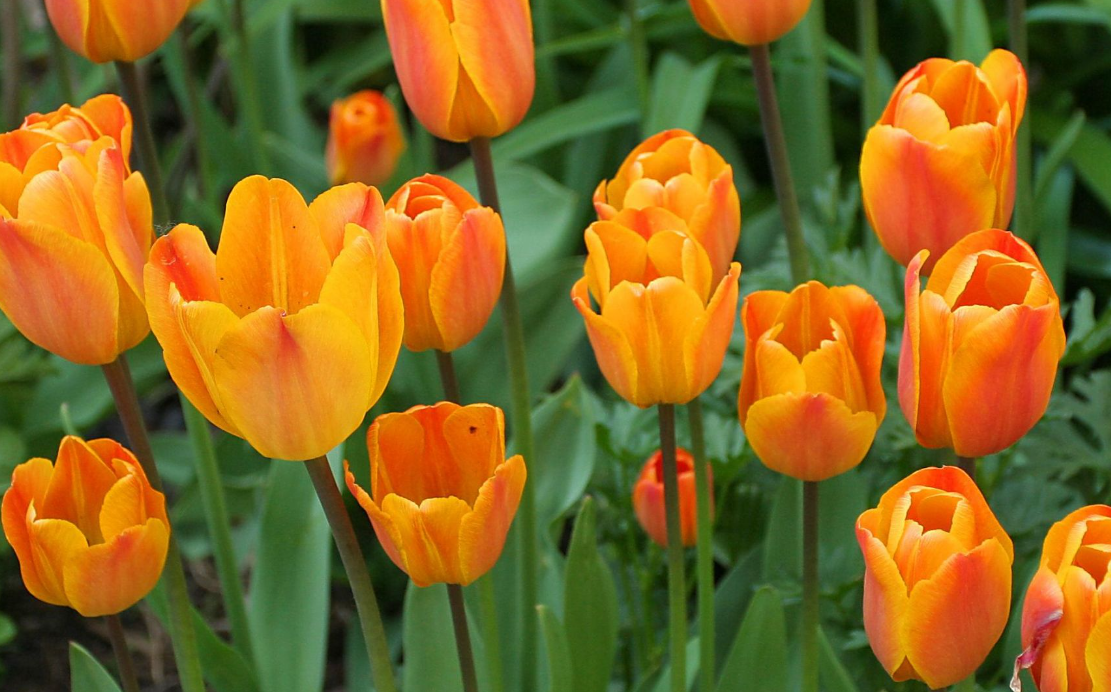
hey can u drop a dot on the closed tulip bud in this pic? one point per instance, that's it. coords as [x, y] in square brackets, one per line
[89, 531]
[450, 253]
[749, 22]
[71, 263]
[364, 139]
[648, 498]
[442, 494]
[662, 325]
[940, 163]
[287, 335]
[811, 399]
[675, 171]
[466, 67]
[981, 345]
[937, 579]
[1066, 618]
[109, 30]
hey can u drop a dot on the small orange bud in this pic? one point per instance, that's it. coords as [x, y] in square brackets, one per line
[648, 498]
[107, 30]
[749, 22]
[364, 139]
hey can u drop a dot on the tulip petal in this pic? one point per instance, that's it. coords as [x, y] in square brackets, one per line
[885, 597]
[611, 348]
[924, 360]
[716, 224]
[11, 188]
[467, 278]
[758, 313]
[54, 544]
[494, 40]
[352, 203]
[482, 531]
[428, 61]
[709, 336]
[389, 537]
[127, 244]
[1007, 77]
[1098, 654]
[77, 488]
[864, 321]
[29, 483]
[475, 436]
[110, 577]
[111, 117]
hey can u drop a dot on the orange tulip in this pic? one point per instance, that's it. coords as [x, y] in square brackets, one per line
[89, 531]
[450, 253]
[442, 493]
[940, 163]
[749, 22]
[648, 498]
[71, 263]
[980, 345]
[364, 139]
[289, 333]
[466, 68]
[675, 171]
[659, 334]
[109, 30]
[937, 580]
[811, 399]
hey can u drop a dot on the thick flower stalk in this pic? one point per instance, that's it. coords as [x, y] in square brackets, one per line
[364, 139]
[116, 30]
[648, 498]
[749, 22]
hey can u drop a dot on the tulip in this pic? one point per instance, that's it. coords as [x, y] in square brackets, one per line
[465, 67]
[937, 580]
[450, 253]
[364, 139]
[648, 498]
[940, 163]
[981, 345]
[289, 333]
[749, 22]
[677, 172]
[89, 531]
[659, 334]
[442, 493]
[1066, 618]
[811, 399]
[115, 30]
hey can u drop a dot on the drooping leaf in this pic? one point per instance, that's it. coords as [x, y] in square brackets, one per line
[589, 607]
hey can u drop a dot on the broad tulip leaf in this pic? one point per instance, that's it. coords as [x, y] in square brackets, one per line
[974, 34]
[564, 461]
[590, 607]
[559, 653]
[586, 115]
[680, 93]
[86, 674]
[835, 677]
[760, 649]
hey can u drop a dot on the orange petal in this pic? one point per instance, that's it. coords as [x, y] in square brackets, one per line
[54, 544]
[127, 239]
[29, 483]
[467, 278]
[388, 535]
[1098, 654]
[885, 597]
[716, 224]
[81, 480]
[989, 239]
[611, 347]
[753, 22]
[110, 577]
[1008, 81]
[758, 313]
[965, 95]
[428, 537]
[111, 117]
[708, 338]
[475, 435]
[482, 532]
[426, 59]
[865, 324]
[352, 203]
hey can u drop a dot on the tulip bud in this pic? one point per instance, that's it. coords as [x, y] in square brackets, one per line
[940, 163]
[1066, 618]
[659, 334]
[364, 139]
[108, 30]
[648, 498]
[287, 335]
[442, 494]
[677, 172]
[466, 68]
[981, 345]
[937, 580]
[89, 531]
[811, 398]
[749, 22]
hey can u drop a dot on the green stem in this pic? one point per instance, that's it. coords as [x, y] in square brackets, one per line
[123, 656]
[966, 685]
[968, 465]
[705, 548]
[868, 26]
[235, 16]
[351, 554]
[780, 164]
[448, 380]
[219, 527]
[490, 637]
[811, 615]
[59, 56]
[136, 97]
[521, 419]
[13, 69]
[677, 590]
[193, 110]
[960, 22]
[182, 634]
[1025, 214]
[462, 637]
[639, 46]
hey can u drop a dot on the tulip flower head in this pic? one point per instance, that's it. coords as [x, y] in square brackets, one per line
[89, 531]
[981, 345]
[676, 172]
[466, 67]
[287, 335]
[442, 494]
[749, 22]
[940, 163]
[364, 139]
[108, 30]
[811, 398]
[450, 252]
[648, 498]
[1066, 618]
[937, 580]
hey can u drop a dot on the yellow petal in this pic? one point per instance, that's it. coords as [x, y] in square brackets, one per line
[611, 347]
[78, 487]
[110, 577]
[352, 203]
[482, 532]
[709, 336]
[1098, 654]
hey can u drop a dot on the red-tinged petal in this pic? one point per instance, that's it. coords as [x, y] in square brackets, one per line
[482, 531]
[954, 264]
[754, 22]
[77, 489]
[1007, 77]
[417, 244]
[885, 597]
[388, 535]
[111, 116]
[427, 61]
[28, 485]
[864, 322]
[648, 503]
[924, 361]
[965, 95]
[467, 277]
[127, 245]
[920, 115]
[110, 577]
[352, 203]
[1098, 654]
[611, 347]
[11, 188]
[716, 223]
[758, 313]
[709, 336]
[475, 435]
[1042, 610]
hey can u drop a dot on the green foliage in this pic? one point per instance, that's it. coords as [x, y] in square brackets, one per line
[590, 607]
[86, 674]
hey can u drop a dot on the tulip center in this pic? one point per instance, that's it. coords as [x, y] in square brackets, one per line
[995, 281]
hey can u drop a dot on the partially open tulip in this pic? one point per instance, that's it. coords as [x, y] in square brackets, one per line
[749, 22]
[675, 171]
[981, 345]
[89, 531]
[940, 163]
[450, 253]
[364, 139]
[663, 324]
[466, 67]
[937, 580]
[288, 334]
[648, 498]
[1066, 618]
[811, 399]
[108, 30]
[442, 494]
[71, 263]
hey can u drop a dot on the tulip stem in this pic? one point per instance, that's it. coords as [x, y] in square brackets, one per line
[123, 656]
[448, 379]
[706, 665]
[811, 615]
[1025, 215]
[676, 586]
[780, 163]
[521, 419]
[957, 35]
[61, 69]
[462, 637]
[249, 104]
[136, 97]
[10, 33]
[351, 554]
[968, 465]
[490, 638]
[193, 109]
[182, 634]
[868, 27]
[639, 46]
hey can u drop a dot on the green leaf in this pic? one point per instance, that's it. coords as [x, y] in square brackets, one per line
[975, 43]
[1089, 153]
[680, 93]
[1061, 13]
[86, 674]
[589, 607]
[835, 677]
[597, 112]
[1056, 155]
[760, 650]
[783, 542]
[563, 464]
[559, 653]
[428, 640]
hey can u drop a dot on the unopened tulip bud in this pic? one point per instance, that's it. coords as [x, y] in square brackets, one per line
[364, 139]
